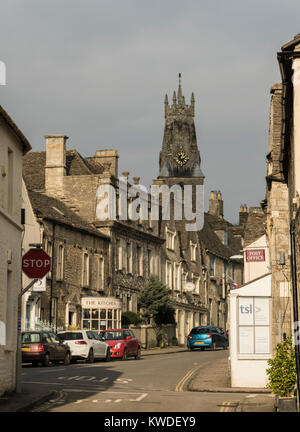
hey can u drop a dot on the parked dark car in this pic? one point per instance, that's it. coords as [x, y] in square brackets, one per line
[122, 342]
[44, 347]
[207, 337]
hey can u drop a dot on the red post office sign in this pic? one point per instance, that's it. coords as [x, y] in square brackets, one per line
[36, 263]
[255, 255]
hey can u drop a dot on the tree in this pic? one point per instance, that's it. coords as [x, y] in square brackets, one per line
[156, 305]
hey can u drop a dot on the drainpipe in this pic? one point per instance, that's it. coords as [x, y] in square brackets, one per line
[52, 274]
[295, 303]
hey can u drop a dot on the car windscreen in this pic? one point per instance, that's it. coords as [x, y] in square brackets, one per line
[112, 335]
[70, 336]
[31, 337]
[201, 330]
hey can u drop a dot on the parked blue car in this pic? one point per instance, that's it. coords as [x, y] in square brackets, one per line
[207, 337]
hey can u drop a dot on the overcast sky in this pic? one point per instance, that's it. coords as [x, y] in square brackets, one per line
[98, 71]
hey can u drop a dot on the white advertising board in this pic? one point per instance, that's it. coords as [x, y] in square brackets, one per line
[254, 325]
[246, 340]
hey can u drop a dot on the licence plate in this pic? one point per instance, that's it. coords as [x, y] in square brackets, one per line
[198, 343]
[25, 349]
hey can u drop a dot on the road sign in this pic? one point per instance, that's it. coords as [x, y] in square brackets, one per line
[40, 285]
[36, 263]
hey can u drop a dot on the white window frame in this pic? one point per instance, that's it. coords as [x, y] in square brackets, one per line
[193, 248]
[177, 276]
[170, 239]
[169, 275]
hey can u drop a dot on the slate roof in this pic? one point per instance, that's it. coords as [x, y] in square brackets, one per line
[49, 208]
[34, 167]
[255, 225]
[211, 241]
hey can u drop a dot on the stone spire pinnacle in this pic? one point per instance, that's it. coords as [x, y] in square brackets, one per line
[179, 93]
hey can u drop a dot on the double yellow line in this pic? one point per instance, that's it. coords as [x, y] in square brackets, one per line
[182, 382]
[225, 406]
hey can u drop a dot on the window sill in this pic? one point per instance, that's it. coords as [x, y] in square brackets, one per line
[254, 356]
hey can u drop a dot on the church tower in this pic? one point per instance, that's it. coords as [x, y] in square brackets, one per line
[180, 157]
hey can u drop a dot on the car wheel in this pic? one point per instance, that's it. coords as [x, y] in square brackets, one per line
[138, 354]
[91, 357]
[46, 361]
[74, 360]
[35, 363]
[107, 358]
[67, 359]
[124, 357]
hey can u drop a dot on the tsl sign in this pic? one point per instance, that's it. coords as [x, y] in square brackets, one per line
[255, 255]
[36, 263]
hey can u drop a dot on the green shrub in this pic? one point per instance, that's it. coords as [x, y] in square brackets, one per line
[282, 372]
[129, 318]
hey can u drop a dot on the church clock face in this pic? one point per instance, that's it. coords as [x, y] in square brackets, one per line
[181, 158]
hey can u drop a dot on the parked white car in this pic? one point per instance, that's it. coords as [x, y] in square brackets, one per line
[85, 345]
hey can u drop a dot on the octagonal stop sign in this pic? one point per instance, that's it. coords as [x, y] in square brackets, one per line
[36, 263]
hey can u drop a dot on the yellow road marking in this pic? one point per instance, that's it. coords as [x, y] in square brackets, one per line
[225, 406]
[179, 387]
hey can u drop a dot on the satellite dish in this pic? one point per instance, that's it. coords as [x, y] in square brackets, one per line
[189, 286]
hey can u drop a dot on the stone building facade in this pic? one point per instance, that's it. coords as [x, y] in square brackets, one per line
[80, 265]
[72, 182]
[13, 145]
[276, 208]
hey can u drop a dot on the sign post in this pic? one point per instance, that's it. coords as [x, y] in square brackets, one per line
[36, 263]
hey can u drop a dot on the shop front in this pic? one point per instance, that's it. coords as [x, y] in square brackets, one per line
[101, 313]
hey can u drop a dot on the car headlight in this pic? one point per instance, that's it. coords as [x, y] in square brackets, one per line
[118, 345]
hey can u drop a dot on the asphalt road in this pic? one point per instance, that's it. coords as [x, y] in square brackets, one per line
[154, 383]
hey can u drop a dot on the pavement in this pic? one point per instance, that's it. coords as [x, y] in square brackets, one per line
[216, 379]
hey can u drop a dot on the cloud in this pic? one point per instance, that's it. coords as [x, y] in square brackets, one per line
[98, 71]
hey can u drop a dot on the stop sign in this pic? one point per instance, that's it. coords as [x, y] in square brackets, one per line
[36, 263]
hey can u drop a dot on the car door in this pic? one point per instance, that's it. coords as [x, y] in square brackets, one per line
[219, 336]
[92, 343]
[100, 344]
[59, 348]
[215, 334]
[129, 342]
[49, 345]
[135, 342]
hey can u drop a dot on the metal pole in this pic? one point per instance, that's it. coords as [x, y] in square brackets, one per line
[19, 341]
[295, 305]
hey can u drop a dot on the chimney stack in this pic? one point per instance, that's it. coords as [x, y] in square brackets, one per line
[55, 168]
[216, 204]
[243, 215]
[108, 156]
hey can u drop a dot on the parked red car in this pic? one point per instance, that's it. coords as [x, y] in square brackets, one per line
[122, 342]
